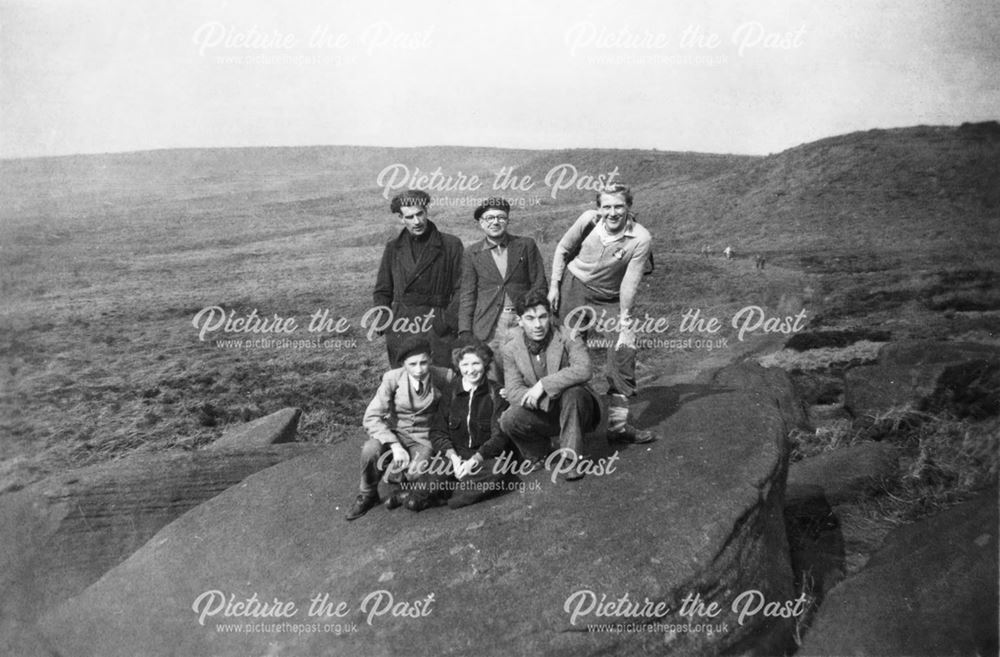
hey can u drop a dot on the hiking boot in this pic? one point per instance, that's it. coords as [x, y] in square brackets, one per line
[362, 505]
[629, 434]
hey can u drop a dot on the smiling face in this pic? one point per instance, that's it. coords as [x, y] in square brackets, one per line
[494, 223]
[614, 209]
[535, 322]
[472, 369]
[414, 218]
[418, 365]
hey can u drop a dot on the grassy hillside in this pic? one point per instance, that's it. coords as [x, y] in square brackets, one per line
[105, 259]
[925, 187]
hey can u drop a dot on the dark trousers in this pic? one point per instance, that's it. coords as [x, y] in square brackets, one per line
[570, 416]
[439, 335]
[505, 326]
[620, 368]
[485, 483]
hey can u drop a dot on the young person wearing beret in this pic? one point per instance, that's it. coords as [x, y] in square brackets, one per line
[404, 417]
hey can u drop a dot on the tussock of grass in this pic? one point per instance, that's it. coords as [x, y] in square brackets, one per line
[948, 459]
[943, 460]
[863, 351]
[806, 444]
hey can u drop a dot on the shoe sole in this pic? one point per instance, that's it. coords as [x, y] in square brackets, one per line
[622, 439]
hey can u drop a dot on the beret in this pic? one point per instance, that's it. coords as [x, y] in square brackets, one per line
[490, 204]
[412, 346]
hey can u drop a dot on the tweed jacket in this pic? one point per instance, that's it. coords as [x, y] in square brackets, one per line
[566, 360]
[392, 411]
[483, 288]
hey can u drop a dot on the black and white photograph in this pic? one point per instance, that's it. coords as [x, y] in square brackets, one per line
[406, 329]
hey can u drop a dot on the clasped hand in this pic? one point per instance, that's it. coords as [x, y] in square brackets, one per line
[462, 467]
[532, 396]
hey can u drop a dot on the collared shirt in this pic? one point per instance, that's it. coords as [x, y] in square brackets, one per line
[608, 238]
[417, 384]
[609, 265]
[498, 249]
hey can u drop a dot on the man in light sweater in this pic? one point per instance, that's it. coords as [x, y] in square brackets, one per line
[607, 253]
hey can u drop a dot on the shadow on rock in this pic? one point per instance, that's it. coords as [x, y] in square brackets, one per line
[664, 401]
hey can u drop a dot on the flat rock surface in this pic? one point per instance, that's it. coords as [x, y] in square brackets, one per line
[931, 590]
[697, 512]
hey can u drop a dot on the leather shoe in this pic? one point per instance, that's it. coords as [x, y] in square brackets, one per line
[629, 434]
[362, 504]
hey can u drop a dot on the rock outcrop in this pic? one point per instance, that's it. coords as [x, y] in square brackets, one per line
[931, 590]
[66, 531]
[958, 377]
[698, 513]
[846, 474]
[273, 429]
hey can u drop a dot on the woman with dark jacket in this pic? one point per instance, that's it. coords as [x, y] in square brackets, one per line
[472, 405]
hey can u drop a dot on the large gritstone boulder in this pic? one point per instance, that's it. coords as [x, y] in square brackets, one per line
[677, 547]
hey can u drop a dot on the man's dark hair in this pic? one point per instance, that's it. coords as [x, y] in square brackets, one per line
[615, 189]
[411, 197]
[532, 299]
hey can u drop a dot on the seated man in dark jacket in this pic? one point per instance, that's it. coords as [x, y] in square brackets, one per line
[547, 371]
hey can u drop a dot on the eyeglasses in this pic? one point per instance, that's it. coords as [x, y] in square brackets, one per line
[493, 218]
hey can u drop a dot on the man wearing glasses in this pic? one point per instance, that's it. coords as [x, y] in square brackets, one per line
[497, 271]
[419, 278]
[599, 262]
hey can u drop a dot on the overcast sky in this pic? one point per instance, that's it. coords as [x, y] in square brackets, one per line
[713, 76]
